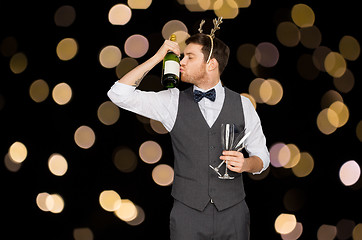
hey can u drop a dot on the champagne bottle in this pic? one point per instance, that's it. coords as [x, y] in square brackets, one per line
[171, 68]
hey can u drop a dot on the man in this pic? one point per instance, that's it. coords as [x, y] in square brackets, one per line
[205, 207]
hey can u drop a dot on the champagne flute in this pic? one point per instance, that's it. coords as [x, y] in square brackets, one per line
[227, 140]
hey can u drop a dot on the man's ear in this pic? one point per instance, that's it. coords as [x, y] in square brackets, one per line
[213, 64]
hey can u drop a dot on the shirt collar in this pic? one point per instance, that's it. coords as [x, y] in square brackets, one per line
[218, 87]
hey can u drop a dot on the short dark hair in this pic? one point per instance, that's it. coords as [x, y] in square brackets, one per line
[220, 52]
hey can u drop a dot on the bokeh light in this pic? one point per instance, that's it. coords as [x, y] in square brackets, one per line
[57, 164]
[84, 137]
[163, 175]
[150, 152]
[345, 83]
[173, 26]
[83, 234]
[349, 173]
[327, 232]
[295, 234]
[357, 232]
[311, 37]
[54, 203]
[136, 4]
[359, 131]
[277, 156]
[110, 200]
[330, 97]
[266, 54]
[245, 53]
[40, 201]
[126, 65]
[319, 56]
[18, 63]
[285, 223]
[226, 9]
[64, 16]
[136, 46]
[125, 159]
[62, 93]
[108, 113]
[9, 46]
[140, 218]
[110, 56]
[305, 165]
[335, 64]
[345, 228]
[288, 34]
[127, 210]
[323, 123]
[10, 164]
[67, 48]
[158, 127]
[119, 14]
[39, 90]
[349, 48]
[18, 152]
[302, 15]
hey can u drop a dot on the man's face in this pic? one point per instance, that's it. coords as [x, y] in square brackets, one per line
[193, 66]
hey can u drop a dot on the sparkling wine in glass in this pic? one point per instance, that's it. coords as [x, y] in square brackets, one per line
[227, 140]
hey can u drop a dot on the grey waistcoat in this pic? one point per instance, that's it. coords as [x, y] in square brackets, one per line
[195, 146]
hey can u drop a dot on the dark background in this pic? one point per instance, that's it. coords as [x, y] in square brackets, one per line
[46, 128]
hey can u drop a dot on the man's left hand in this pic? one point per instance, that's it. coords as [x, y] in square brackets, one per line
[235, 160]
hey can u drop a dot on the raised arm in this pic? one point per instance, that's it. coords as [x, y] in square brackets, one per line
[135, 76]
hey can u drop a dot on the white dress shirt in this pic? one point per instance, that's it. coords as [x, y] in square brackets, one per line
[163, 106]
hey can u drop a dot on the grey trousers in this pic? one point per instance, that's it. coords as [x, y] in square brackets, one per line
[190, 224]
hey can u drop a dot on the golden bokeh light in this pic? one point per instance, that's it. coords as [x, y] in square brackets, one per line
[326, 232]
[110, 200]
[39, 90]
[349, 173]
[285, 223]
[18, 63]
[126, 65]
[158, 127]
[344, 83]
[163, 175]
[136, 46]
[357, 232]
[266, 54]
[136, 4]
[254, 89]
[84, 137]
[323, 122]
[83, 234]
[119, 14]
[108, 113]
[150, 152]
[245, 53]
[319, 56]
[294, 155]
[345, 228]
[54, 203]
[302, 15]
[197, 5]
[127, 211]
[140, 218]
[335, 64]
[10, 164]
[288, 34]
[349, 48]
[311, 37]
[181, 37]
[110, 56]
[125, 159]
[243, 3]
[359, 131]
[67, 48]
[64, 16]
[305, 165]
[226, 9]
[330, 97]
[57, 164]
[342, 112]
[276, 94]
[18, 152]
[62, 93]
[173, 26]
[40, 201]
[295, 234]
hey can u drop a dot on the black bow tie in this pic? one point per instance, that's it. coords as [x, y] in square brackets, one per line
[198, 95]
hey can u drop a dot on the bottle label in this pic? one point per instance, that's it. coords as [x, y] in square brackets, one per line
[172, 67]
